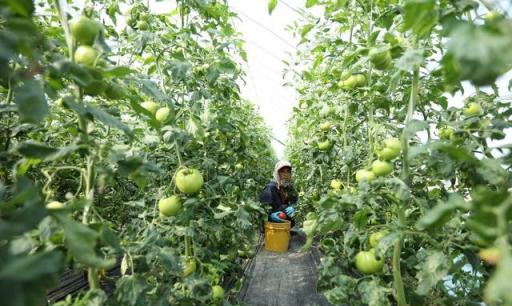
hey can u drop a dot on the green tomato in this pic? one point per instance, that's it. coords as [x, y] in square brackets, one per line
[114, 92]
[364, 175]
[473, 109]
[381, 168]
[360, 80]
[324, 145]
[380, 58]
[336, 184]
[239, 166]
[169, 206]
[150, 106]
[492, 16]
[387, 154]
[97, 86]
[376, 237]
[85, 55]
[325, 126]
[142, 25]
[446, 132]
[189, 180]
[349, 83]
[217, 292]
[393, 143]
[367, 262]
[84, 30]
[484, 123]
[345, 75]
[162, 114]
[54, 205]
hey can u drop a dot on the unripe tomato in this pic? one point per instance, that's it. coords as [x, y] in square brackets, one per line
[54, 205]
[364, 175]
[84, 30]
[150, 106]
[169, 206]
[189, 180]
[367, 262]
[142, 25]
[349, 83]
[492, 16]
[217, 292]
[325, 126]
[360, 80]
[85, 55]
[239, 166]
[336, 184]
[393, 143]
[380, 58]
[473, 109]
[446, 133]
[162, 114]
[376, 237]
[387, 154]
[324, 145]
[114, 92]
[381, 168]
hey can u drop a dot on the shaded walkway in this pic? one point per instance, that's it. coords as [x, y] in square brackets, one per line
[283, 279]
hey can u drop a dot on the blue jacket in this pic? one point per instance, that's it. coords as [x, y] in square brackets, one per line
[272, 196]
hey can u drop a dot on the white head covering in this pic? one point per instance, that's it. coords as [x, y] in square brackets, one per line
[280, 164]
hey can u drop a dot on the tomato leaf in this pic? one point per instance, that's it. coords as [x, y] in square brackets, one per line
[310, 3]
[31, 102]
[479, 54]
[271, 6]
[433, 267]
[420, 16]
[43, 152]
[100, 115]
[373, 294]
[441, 213]
[25, 268]
[81, 241]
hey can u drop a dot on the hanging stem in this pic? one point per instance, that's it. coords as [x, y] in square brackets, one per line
[92, 273]
[410, 112]
[89, 188]
[397, 275]
[370, 111]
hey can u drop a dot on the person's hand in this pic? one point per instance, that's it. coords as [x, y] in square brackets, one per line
[274, 217]
[290, 211]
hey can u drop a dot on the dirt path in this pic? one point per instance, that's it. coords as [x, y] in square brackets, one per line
[283, 279]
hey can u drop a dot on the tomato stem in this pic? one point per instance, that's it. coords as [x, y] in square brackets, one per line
[178, 154]
[397, 273]
[92, 277]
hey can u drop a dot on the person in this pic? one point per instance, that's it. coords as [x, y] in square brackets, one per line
[280, 194]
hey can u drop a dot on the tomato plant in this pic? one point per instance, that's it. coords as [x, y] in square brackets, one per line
[102, 119]
[435, 167]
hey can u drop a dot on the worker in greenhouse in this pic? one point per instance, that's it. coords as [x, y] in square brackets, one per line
[280, 194]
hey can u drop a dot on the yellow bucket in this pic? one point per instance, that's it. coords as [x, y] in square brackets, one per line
[277, 236]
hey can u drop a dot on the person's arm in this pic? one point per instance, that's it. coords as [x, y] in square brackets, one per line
[270, 196]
